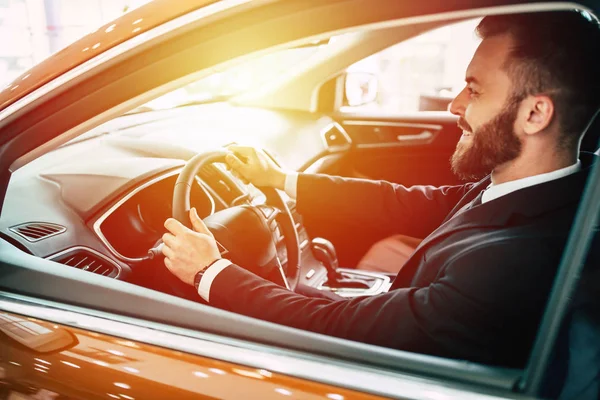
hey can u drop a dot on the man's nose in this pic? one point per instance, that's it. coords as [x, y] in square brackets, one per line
[458, 105]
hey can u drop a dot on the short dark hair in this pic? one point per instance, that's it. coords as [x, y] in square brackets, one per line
[554, 53]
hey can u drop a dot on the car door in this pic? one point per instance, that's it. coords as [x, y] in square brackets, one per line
[42, 359]
[410, 150]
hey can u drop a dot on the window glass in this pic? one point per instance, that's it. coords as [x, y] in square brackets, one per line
[420, 74]
[247, 76]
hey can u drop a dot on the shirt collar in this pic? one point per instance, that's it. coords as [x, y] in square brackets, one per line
[495, 191]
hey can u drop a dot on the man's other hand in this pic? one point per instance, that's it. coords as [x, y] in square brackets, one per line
[188, 251]
[255, 166]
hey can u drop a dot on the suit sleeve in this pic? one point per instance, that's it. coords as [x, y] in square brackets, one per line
[483, 302]
[385, 206]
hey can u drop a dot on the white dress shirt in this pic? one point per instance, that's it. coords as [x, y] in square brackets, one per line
[291, 184]
[491, 193]
[495, 191]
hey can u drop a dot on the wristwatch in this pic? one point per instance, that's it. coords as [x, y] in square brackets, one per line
[199, 274]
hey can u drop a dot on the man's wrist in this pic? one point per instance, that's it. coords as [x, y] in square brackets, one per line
[279, 180]
[200, 273]
[208, 274]
[291, 184]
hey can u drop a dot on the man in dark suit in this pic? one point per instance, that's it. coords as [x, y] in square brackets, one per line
[476, 287]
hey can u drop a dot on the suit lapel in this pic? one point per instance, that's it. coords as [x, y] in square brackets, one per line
[469, 197]
[470, 218]
[474, 217]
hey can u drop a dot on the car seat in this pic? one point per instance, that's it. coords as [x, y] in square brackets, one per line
[591, 138]
[574, 371]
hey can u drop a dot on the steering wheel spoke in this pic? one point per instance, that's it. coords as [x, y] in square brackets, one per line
[271, 213]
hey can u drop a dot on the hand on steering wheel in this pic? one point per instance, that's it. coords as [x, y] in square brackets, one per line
[188, 251]
[246, 231]
[255, 166]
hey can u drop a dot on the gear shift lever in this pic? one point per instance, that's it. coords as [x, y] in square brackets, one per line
[324, 252]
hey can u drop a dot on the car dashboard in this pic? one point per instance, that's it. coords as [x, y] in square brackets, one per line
[102, 213]
[141, 213]
[98, 204]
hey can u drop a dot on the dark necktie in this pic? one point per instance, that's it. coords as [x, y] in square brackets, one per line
[473, 203]
[477, 200]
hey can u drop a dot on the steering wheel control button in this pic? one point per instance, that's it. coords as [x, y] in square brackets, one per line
[310, 274]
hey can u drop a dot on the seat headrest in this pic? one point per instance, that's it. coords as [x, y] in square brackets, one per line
[591, 137]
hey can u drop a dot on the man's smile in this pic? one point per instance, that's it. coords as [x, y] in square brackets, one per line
[466, 135]
[466, 128]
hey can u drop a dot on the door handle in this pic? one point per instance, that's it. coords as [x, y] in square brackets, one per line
[425, 135]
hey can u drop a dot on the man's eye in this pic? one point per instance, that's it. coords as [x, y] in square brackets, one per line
[472, 92]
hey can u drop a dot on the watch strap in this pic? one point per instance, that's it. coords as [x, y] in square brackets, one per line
[199, 274]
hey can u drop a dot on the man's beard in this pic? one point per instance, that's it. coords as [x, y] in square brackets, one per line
[493, 144]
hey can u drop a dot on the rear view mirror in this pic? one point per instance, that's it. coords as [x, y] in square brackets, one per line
[360, 88]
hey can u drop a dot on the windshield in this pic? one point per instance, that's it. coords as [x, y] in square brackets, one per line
[181, 117]
[245, 77]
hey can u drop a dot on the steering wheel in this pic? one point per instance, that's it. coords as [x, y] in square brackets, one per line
[247, 234]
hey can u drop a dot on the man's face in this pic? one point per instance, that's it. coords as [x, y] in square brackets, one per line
[487, 113]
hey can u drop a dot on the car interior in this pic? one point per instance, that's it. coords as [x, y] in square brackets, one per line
[96, 200]
[115, 182]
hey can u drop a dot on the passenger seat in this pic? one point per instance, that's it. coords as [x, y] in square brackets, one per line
[389, 255]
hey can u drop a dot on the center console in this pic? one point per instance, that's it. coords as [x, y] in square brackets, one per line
[342, 281]
[354, 283]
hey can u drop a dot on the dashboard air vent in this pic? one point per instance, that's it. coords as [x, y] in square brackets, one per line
[35, 231]
[87, 261]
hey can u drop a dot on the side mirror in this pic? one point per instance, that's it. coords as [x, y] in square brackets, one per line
[360, 88]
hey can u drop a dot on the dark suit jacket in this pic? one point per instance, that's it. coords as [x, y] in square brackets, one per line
[474, 289]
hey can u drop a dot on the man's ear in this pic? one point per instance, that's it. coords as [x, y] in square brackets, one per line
[539, 114]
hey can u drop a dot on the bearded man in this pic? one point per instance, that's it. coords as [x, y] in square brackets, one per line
[477, 285]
